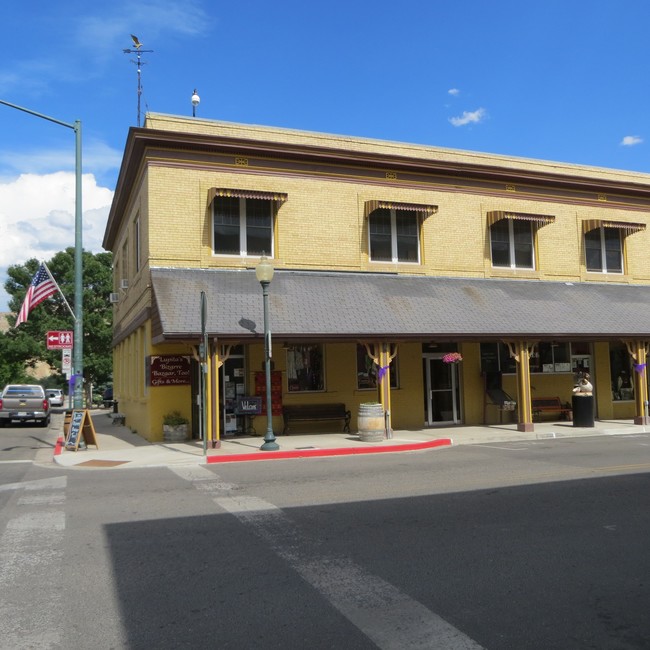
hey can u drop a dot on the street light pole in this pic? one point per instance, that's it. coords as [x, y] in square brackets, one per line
[264, 273]
[78, 253]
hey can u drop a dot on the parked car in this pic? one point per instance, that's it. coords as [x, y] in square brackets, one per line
[24, 402]
[55, 395]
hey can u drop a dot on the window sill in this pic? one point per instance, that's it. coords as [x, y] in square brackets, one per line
[595, 276]
[499, 272]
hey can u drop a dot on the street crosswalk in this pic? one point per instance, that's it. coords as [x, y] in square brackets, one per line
[31, 549]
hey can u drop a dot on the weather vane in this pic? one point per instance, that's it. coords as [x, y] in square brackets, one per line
[137, 51]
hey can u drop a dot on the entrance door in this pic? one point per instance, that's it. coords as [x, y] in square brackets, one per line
[441, 392]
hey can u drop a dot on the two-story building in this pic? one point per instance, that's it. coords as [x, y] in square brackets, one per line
[388, 257]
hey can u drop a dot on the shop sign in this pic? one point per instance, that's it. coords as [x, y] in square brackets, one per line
[169, 370]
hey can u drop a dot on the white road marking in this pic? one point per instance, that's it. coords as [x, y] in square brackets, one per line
[31, 550]
[390, 618]
[41, 484]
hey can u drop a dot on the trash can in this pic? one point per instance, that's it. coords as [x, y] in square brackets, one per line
[583, 410]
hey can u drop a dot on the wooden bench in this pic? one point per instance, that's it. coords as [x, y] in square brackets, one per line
[550, 405]
[315, 412]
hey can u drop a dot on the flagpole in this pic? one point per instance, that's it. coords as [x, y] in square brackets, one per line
[59, 289]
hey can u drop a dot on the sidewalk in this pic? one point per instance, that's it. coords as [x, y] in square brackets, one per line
[119, 447]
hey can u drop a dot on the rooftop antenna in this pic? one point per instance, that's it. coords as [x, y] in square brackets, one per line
[195, 102]
[138, 51]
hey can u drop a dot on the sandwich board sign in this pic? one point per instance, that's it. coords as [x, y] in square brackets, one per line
[81, 426]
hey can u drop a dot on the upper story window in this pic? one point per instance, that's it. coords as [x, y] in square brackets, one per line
[394, 230]
[604, 244]
[512, 238]
[137, 259]
[243, 221]
[604, 250]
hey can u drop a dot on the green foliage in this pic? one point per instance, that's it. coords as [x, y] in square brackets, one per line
[174, 419]
[25, 346]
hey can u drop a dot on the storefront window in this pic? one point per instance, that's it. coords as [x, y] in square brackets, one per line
[551, 357]
[546, 357]
[367, 371]
[620, 364]
[305, 368]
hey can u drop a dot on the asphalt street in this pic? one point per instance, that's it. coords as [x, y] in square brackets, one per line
[529, 544]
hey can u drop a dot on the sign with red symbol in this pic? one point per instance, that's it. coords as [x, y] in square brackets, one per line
[59, 340]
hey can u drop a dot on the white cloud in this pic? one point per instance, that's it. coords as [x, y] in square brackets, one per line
[469, 117]
[37, 215]
[631, 140]
[453, 91]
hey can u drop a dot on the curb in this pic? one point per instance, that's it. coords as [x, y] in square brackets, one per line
[319, 453]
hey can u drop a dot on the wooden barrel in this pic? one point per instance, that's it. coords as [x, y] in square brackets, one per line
[371, 423]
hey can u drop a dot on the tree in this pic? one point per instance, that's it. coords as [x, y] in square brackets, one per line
[25, 346]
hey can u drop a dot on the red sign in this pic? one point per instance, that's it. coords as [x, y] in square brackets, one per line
[59, 340]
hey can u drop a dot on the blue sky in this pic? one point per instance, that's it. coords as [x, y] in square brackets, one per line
[563, 80]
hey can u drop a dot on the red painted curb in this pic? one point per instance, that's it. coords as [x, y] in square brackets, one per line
[58, 447]
[315, 453]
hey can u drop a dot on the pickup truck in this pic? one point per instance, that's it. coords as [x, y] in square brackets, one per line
[24, 402]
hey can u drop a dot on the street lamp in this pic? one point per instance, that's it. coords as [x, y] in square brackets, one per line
[264, 273]
[77, 357]
[196, 100]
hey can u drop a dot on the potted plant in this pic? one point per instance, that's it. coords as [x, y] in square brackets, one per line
[175, 427]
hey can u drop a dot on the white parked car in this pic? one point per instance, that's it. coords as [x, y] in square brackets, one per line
[55, 395]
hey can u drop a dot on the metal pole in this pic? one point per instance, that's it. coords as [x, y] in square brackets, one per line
[78, 252]
[269, 439]
[78, 342]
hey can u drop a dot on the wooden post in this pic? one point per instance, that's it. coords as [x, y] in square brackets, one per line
[520, 351]
[638, 350]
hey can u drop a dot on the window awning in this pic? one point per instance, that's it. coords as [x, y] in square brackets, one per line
[426, 210]
[540, 219]
[213, 192]
[626, 227]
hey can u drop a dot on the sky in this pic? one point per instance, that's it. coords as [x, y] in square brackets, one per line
[559, 80]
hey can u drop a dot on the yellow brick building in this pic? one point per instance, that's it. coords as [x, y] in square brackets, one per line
[388, 257]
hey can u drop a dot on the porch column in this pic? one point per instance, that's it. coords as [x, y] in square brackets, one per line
[382, 354]
[520, 351]
[214, 425]
[218, 357]
[638, 350]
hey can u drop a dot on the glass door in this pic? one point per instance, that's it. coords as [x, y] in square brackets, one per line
[441, 392]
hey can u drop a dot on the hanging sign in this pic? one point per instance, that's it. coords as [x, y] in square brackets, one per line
[169, 370]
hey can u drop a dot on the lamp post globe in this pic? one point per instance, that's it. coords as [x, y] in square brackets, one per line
[196, 100]
[264, 274]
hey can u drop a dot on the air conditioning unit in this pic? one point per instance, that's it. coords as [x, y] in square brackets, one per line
[115, 297]
[124, 284]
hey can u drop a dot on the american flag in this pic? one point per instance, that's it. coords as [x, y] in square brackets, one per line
[41, 288]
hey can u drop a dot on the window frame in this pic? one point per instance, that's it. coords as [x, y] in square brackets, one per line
[296, 382]
[603, 251]
[512, 244]
[244, 216]
[395, 236]
[367, 371]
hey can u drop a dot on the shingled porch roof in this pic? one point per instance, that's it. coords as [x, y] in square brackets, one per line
[328, 306]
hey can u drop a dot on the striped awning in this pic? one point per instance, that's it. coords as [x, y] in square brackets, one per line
[213, 192]
[540, 219]
[625, 226]
[425, 210]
